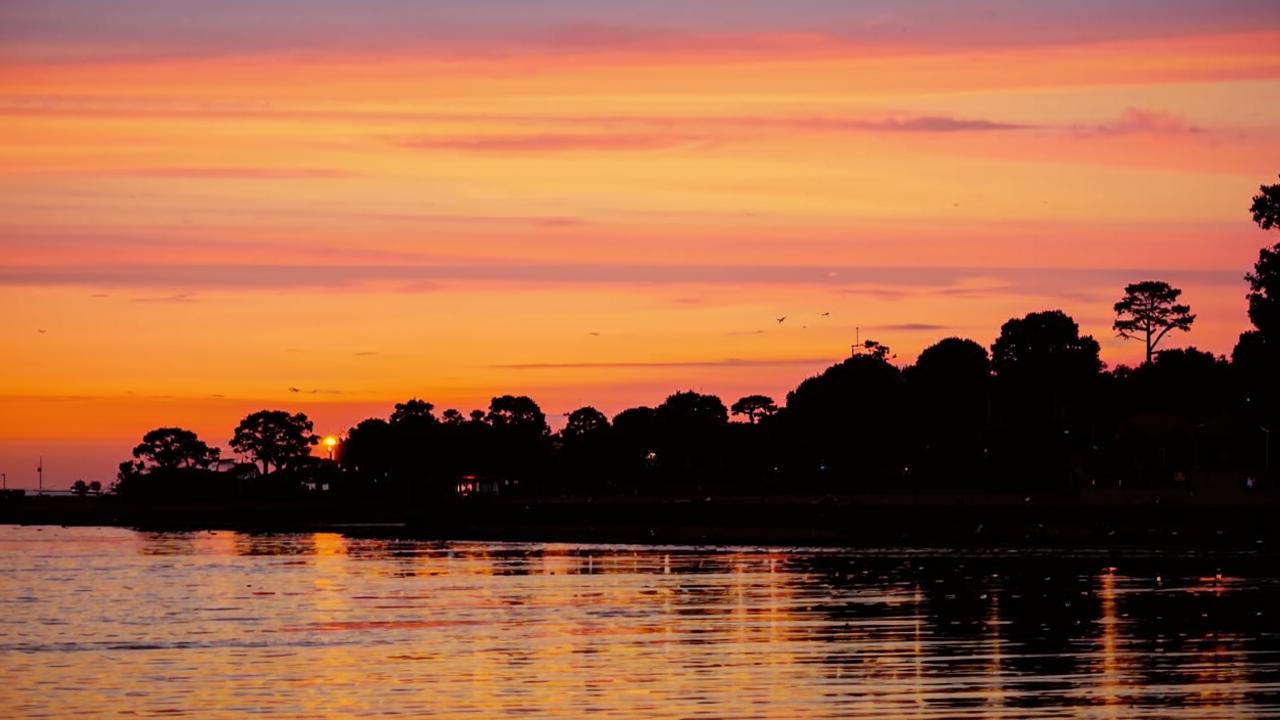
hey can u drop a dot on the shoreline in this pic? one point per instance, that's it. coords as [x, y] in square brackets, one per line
[1245, 521]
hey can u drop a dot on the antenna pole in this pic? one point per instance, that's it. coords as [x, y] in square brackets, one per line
[40, 476]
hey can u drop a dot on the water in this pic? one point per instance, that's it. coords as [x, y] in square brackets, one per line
[108, 622]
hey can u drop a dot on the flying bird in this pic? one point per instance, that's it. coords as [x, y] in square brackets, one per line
[825, 314]
[294, 390]
[41, 331]
[784, 317]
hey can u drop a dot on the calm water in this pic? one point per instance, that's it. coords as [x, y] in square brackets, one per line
[107, 622]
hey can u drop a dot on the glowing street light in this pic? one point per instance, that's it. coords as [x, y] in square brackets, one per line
[330, 442]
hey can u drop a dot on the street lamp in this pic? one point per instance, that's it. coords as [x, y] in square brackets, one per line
[330, 442]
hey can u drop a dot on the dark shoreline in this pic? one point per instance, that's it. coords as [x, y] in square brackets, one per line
[1245, 521]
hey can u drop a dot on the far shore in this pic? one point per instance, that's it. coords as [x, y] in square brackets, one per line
[1173, 520]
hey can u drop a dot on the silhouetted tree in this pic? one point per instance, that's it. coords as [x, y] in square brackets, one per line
[517, 413]
[689, 410]
[414, 450]
[1045, 347]
[1047, 381]
[689, 435]
[174, 464]
[635, 435]
[754, 407]
[1264, 294]
[1149, 310]
[274, 438]
[413, 411]
[1184, 381]
[844, 425]
[170, 448]
[369, 450]
[583, 423]
[1172, 418]
[637, 421]
[952, 363]
[126, 475]
[1266, 206]
[463, 446]
[950, 390]
[873, 348]
[518, 441]
[80, 488]
[586, 450]
[1252, 354]
[95, 487]
[1257, 354]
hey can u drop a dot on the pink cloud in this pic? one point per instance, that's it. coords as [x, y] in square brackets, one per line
[700, 130]
[920, 124]
[230, 173]
[175, 299]
[550, 142]
[1144, 120]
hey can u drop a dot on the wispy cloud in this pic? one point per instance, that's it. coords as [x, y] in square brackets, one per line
[1144, 120]
[602, 131]
[715, 363]
[175, 299]
[909, 327]
[314, 391]
[227, 173]
[687, 132]
[550, 142]
[919, 124]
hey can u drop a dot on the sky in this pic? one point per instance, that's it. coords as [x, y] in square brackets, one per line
[208, 209]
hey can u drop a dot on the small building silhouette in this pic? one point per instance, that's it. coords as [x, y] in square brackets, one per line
[476, 485]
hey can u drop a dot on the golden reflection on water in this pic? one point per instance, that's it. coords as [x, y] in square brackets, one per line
[995, 668]
[105, 622]
[1110, 681]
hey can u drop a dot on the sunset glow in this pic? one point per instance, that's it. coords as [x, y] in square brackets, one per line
[252, 205]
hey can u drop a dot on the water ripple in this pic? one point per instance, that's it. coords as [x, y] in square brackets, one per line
[104, 622]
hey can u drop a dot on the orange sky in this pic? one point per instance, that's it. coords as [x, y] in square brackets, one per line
[199, 213]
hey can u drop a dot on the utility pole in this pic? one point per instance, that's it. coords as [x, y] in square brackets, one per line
[40, 476]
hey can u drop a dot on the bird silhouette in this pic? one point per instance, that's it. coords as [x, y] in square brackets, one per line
[41, 331]
[784, 317]
[294, 390]
[825, 314]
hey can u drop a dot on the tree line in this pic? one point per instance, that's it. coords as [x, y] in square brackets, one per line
[1037, 410]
